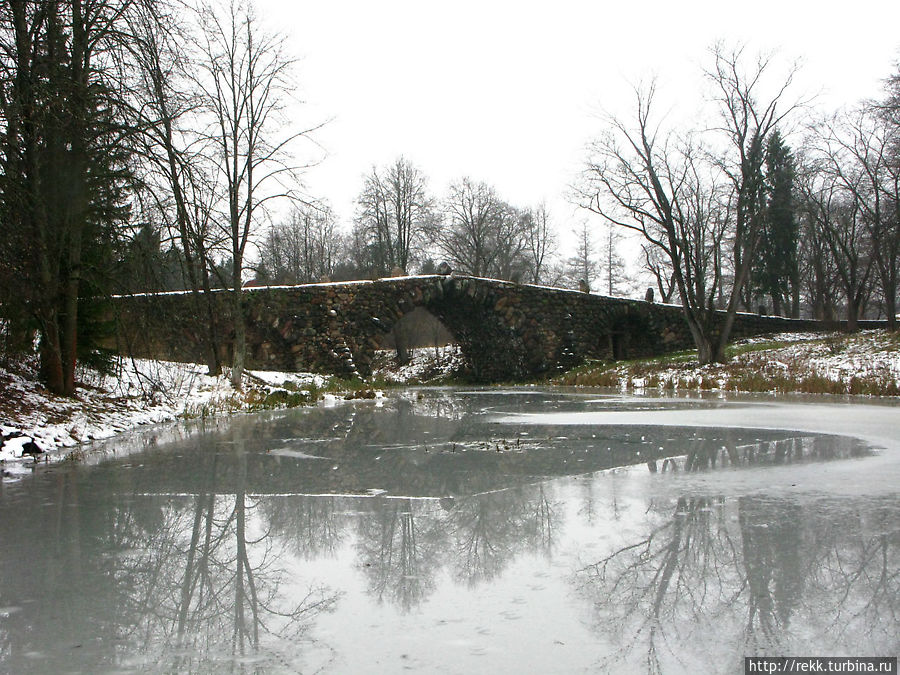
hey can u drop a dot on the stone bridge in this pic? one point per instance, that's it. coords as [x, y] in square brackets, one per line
[508, 331]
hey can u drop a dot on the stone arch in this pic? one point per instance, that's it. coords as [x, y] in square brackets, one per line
[418, 328]
[628, 333]
[494, 333]
[496, 327]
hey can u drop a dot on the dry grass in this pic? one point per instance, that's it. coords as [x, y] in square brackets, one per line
[864, 364]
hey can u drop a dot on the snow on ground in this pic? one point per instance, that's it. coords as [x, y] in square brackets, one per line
[867, 354]
[139, 392]
[426, 364]
[840, 363]
[35, 424]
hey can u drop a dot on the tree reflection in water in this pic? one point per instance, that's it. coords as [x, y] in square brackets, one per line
[192, 570]
[403, 544]
[399, 545]
[215, 575]
[203, 582]
[488, 531]
[716, 579]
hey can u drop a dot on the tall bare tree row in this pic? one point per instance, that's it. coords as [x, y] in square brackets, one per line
[729, 216]
[400, 224]
[858, 159]
[141, 120]
[303, 249]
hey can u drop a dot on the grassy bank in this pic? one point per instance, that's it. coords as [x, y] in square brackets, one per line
[866, 363]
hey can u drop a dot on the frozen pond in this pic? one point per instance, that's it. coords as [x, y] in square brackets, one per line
[457, 531]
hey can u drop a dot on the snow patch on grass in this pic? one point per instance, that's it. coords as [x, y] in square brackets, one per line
[866, 363]
[139, 392]
[426, 364]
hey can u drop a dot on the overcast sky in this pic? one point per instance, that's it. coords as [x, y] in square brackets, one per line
[508, 92]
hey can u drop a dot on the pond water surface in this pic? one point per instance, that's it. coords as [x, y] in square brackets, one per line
[446, 531]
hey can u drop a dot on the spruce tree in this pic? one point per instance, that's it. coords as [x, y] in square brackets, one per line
[62, 165]
[775, 273]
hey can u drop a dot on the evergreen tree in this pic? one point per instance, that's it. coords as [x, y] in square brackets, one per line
[62, 164]
[776, 270]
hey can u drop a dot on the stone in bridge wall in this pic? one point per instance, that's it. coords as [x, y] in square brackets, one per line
[508, 331]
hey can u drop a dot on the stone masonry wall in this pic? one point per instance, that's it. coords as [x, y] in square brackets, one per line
[508, 331]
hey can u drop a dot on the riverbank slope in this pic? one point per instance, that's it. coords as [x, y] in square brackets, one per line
[36, 425]
[865, 363]
[138, 392]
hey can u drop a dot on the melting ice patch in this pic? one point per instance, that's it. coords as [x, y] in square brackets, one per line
[296, 454]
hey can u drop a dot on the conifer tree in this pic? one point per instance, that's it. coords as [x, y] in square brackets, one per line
[62, 163]
[776, 272]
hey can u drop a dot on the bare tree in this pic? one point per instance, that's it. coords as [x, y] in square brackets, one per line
[660, 267]
[752, 105]
[859, 151]
[395, 209]
[890, 106]
[482, 235]
[303, 249]
[175, 171]
[817, 265]
[839, 222]
[540, 242]
[666, 188]
[245, 78]
[648, 181]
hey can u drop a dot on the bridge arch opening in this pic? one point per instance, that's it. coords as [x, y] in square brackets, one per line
[627, 334]
[421, 335]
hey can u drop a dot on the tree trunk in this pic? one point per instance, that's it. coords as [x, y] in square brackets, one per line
[73, 280]
[724, 333]
[890, 305]
[240, 338]
[795, 297]
[776, 304]
[70, 325]
[852, 313]
[705, 352]
[213, 362]
[51, 355]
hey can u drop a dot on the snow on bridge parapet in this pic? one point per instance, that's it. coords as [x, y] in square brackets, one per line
[507, 331]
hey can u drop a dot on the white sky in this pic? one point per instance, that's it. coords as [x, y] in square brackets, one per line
[508, 92]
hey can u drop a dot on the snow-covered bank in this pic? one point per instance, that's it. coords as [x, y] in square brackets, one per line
[426, 365]
[141, 392]
[866, 363]
[37, 426]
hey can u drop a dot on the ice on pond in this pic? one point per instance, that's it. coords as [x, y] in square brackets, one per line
[550, 545]
[296, 454]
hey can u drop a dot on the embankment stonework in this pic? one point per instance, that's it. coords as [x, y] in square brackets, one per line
[508, 331]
